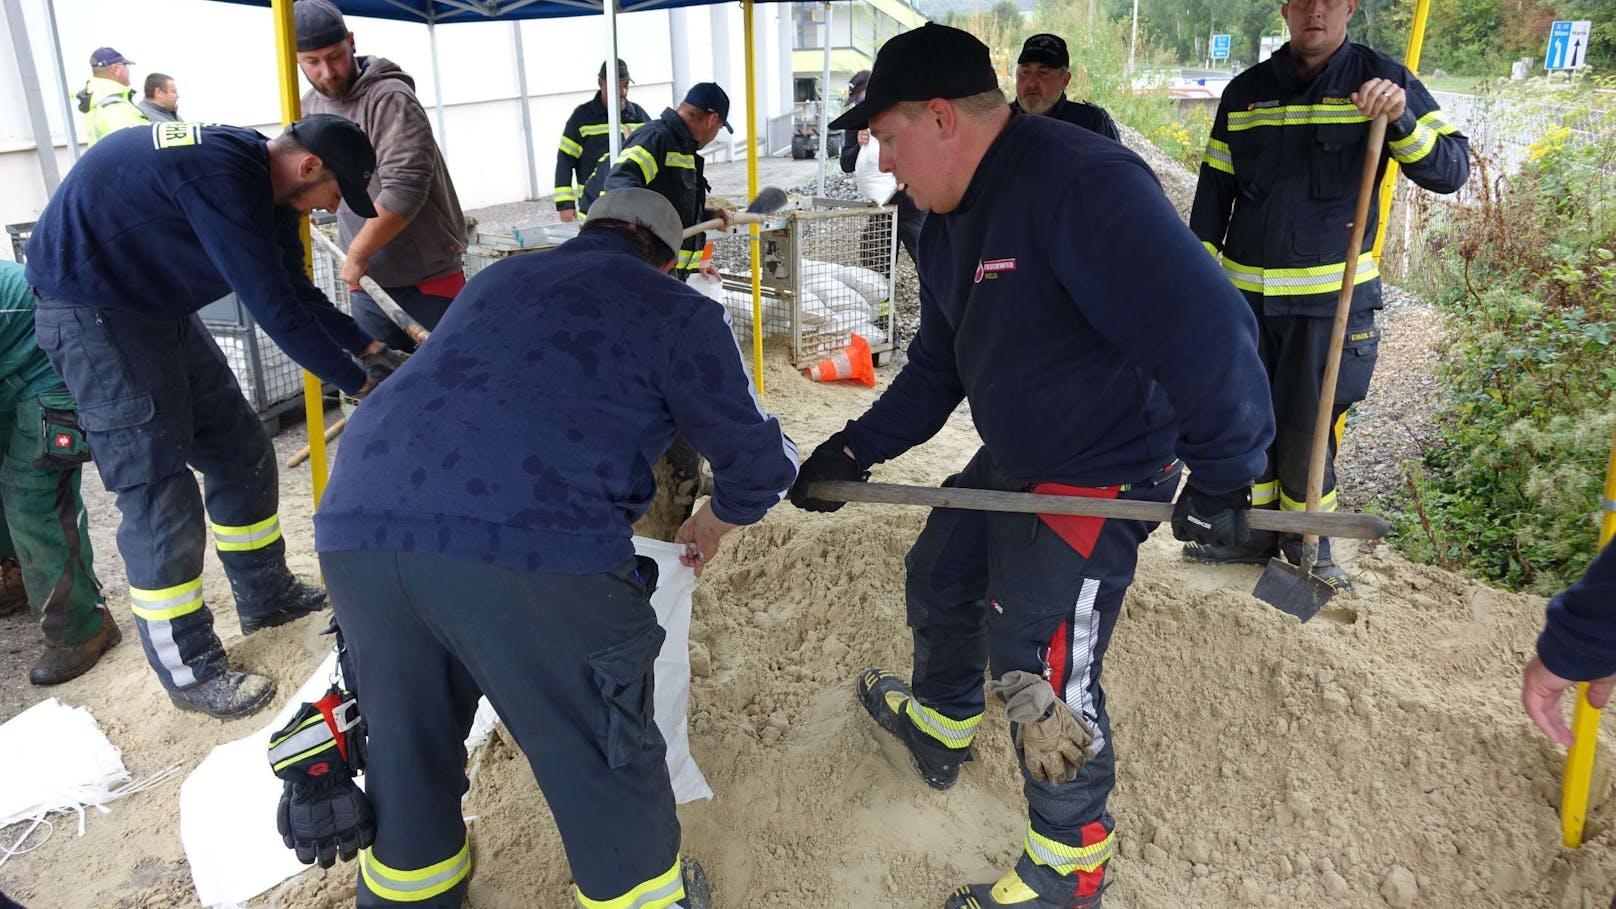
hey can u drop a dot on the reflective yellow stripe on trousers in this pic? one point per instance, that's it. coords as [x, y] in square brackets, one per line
[248, 537]
[659, 892]
[167, 603]
[1297, 282]
[403, 886]
[951, 732]
[1065, 859]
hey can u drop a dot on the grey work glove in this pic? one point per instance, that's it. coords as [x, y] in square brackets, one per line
[1055, 742]
[382, 363]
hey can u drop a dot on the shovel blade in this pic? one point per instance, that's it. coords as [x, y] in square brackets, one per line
[1292, 589]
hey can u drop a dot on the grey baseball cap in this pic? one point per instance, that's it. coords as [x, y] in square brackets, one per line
[650, 210]
[318, 23]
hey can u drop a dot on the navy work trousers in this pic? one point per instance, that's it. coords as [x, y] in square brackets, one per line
[428, 309]
[566, 660]
[156, 399]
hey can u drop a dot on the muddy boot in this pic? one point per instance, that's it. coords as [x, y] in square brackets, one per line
[297, 601]
[13, 598]
[697, 894]
[59, 664]
[1038, 891]
[886, 699]
[229, 695]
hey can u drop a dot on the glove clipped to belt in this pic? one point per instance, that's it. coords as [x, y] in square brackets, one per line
[828, 462]
[1213, 519]
[1055, 743]
[322, 815]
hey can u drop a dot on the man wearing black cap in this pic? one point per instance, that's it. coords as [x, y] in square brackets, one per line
[1090, 371]
[106, 101]
[855, 141]
[1042, 73]
[414, 245]
[150, 226]
[585, 142]
[532, 593]
[664, 156]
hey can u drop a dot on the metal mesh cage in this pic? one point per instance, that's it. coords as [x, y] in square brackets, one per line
[827, 273]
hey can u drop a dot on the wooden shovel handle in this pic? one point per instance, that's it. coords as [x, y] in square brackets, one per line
[740, 217]
[402, 319]
[1327, 523]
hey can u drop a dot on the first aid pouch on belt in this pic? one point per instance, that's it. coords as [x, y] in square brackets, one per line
[61, 444]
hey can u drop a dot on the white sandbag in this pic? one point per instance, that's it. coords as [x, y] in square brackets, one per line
[871, 333]
[227, 805]
[872, 184]
[868, 282]
[812, 310]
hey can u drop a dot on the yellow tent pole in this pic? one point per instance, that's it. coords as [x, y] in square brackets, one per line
[1579, 765]
[751, 193]
[291, 109]
[1411, 59]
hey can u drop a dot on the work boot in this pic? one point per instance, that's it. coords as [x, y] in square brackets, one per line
[12, 595]
[59, 664]
[1325, 569]
[227, 696]
[885, 697]
[1262, 547]
[1054, 892]
[697, 894]
[298, 601]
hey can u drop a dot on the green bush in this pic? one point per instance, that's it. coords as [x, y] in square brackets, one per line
[1511, 486]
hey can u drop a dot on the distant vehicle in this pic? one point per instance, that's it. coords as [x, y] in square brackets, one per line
[1183, 84]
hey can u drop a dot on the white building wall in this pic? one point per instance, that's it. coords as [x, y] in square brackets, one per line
[222, 57]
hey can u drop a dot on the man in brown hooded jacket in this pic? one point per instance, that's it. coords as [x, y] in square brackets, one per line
[413, 247]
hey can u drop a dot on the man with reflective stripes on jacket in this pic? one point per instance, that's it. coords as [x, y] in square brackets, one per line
[1090, 370]
[490, 553]
[586, 141]
[664, 156]
[156, 396]
[1278, 186]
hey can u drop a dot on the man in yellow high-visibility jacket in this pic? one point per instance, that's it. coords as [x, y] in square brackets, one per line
[106, 101]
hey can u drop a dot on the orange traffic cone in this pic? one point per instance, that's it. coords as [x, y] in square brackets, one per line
[851, 362]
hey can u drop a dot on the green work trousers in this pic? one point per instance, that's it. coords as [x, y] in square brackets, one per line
[46, 528]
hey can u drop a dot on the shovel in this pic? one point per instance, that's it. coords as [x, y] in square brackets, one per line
[1294, 589]
[1327, 523]
[769, 200]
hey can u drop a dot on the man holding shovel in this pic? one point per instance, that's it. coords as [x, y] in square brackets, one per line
[1278, 185]
[1090, 369]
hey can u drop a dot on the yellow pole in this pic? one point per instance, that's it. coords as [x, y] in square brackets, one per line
[1411, 59]
[751, 193]
[1579, 765]
[291, 109]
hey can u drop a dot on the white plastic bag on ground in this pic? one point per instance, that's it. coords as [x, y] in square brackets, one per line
[872, 183]
[227, 805]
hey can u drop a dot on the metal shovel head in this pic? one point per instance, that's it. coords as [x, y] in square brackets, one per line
[1292, 589]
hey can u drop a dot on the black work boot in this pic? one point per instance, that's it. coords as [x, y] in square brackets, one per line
[227, 696]
[1262, 546]
[297, 601]
[886, 698]
[1325, 569]
[59, 664]
[1052, 892]
[13, 598]
[697, 894]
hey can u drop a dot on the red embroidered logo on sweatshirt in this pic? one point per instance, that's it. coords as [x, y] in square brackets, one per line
[989, 268]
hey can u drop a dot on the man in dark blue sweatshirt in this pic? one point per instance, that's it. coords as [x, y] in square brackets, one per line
[1578, 644]
[150, 226]
[1061, 295]
[476, 539]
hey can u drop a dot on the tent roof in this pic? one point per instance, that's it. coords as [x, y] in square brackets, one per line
[450, 11]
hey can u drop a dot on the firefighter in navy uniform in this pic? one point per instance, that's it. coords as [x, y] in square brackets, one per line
[150, 226]
[664, 156]
[1077, 387]
[586, 141]
[490, 553]
[1043, 71]
[1278, 186]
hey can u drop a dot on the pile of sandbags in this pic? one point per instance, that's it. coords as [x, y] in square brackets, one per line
[834, 301]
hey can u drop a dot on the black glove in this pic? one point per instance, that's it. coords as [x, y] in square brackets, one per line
[325, 818]
[1212, 519]
[322, 815]
[382, 363]
[828, 462]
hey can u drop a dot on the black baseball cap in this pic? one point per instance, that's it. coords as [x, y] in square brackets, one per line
[318, 24]
[106, 56]
[856, 82]
[622, 71]
[1050, 50]
[932, 61]
[346, 151]
[710, 98]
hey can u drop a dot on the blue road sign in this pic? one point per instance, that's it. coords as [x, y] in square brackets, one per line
[1220, 47]
[1558, 56]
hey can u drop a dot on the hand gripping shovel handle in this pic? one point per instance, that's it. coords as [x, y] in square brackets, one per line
[740, 217]
[1331, 523]
[402, 319]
